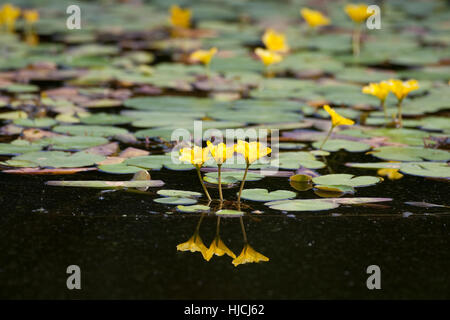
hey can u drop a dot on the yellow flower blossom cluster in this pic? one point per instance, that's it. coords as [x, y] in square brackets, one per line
[399, 88]
[197, 156]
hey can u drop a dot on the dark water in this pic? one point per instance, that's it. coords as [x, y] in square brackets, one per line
[125, 244]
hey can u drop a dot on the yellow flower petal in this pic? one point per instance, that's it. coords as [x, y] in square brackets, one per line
[402, 88]
[314, 18]
[180, 17]
[357, 12]
[275, 41]
[218, 248]
[31, 16]
[336, 119]
[249, 255]
[268, 57]
[220, 152]
[194, 244]
[196, 156]
[379, 90]
[252, 151]
[204, 56]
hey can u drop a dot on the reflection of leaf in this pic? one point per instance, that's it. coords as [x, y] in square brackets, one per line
[229, 213]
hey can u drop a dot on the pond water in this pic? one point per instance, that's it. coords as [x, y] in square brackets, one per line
[125, 244]
[128, 81]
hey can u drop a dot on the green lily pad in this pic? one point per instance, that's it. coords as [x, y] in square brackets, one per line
[229, 177]
[431, 169]
[35, 123]
[73, 142]
[265, 195]
[175, 200]
[18, 147]
[346, 180]
[60, 159]
[338, 144]
[193, 208]
[178, 193]
[88, 130]
[319, 204]
[107, 184]
[410, 154]
[119, 168]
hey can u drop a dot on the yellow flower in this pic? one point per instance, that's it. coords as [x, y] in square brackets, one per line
[204, 56]
[218, 248]
[251, 151]
[249, 255]
[31, 16]
[379, 90]
[180, 17]
[392, 174]
[197, 155]
[402, 88]
[9, 15]
[357, 12]
[220, 152]
[268, 57]
[275, 41]
[194, 244]
[336, 119]
[314, 18]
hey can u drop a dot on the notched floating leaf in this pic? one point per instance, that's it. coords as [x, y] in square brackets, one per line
[265, 195]
[193, 208]
[342, 179]
[319, 204]
[175, 200]
[178, 193]
[230, 177]
[338, 144]
[410, 154]
[36, 171]
[335, 188]
[107, 184]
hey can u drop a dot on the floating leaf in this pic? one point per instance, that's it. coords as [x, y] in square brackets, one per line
[338, 144]
[107, 184]
[410, 154]
[345, 180]
[265, 195]
[193, 208]
[178, 193]
[229, 213]
[175, 200]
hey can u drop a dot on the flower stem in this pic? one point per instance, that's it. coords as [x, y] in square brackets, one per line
[208, 70]
[326, 138]
[400, 119]
[383, 105]
[356, 40]
[220, 181]
[243, 181]
[243, 229]
[203, 184]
